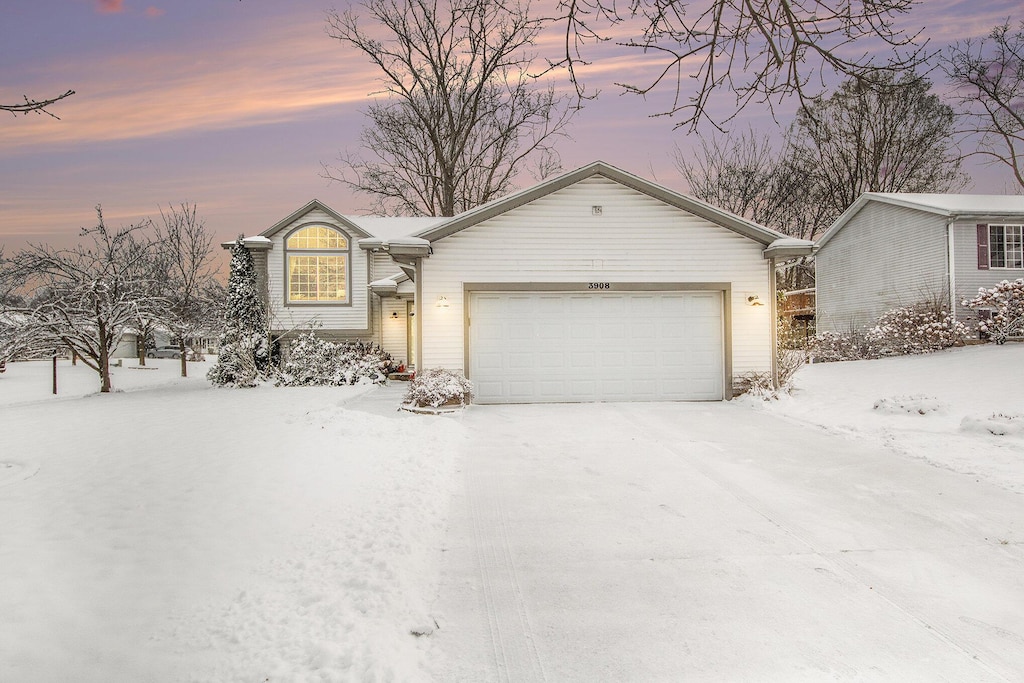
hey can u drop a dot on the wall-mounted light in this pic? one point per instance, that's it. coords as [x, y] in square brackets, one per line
[394, 315]
[754, 300]
[442, 302]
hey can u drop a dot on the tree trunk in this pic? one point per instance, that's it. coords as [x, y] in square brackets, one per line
[184, 360]
[140, 347]
[104, 360]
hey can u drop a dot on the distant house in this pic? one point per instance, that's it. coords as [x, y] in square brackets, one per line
[895, 249]
[595, 285]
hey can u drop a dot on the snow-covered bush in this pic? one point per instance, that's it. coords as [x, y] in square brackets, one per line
[918, 404]
[760, 384]
[830, 347]
[1006, 301]
[436, 387]
[998, 424]
[313, 361]
[919, 328]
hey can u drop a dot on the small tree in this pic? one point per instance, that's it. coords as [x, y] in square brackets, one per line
[85, 297]
[244, 345]
[185, 249]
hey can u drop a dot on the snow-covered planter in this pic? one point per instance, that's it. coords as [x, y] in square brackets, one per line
[313, 361]
[920, 328]
[1006, 302]
[438, 388]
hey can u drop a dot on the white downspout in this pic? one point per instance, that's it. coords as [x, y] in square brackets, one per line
[774, 323]
[950, 260]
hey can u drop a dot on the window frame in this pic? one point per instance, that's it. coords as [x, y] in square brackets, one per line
[345, 253]
[1003, 252]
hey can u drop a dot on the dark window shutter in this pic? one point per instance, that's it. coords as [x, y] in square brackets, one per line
[982, 246]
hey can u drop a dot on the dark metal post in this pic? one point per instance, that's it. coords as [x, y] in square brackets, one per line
[55, 371]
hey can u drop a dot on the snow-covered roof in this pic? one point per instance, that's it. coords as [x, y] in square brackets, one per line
[954, 206]
[389, 227]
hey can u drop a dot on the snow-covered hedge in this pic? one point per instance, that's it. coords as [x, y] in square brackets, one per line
[313, 361]
[919, 328]
[436, 387]
[1006, 301]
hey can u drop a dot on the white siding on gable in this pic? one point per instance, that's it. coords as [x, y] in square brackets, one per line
[886, 256]
[969, 278]
[351, 317]
[561, 238]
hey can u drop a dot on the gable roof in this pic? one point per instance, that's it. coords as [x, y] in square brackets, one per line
[312, 205]
[497, 207]
[954, 206]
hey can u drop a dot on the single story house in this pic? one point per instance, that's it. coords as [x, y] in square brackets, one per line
[595, 285]
[896, 249]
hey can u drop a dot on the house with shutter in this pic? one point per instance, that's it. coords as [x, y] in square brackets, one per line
[896, 249]
[595, 285]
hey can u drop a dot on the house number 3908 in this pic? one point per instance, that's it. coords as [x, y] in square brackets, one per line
[599, 285]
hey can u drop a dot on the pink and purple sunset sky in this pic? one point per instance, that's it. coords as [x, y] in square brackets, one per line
[234, 105]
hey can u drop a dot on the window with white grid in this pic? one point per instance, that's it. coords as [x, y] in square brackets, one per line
[1006, 246]
[317, 265]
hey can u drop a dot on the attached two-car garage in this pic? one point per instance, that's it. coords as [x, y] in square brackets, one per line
[602, 342]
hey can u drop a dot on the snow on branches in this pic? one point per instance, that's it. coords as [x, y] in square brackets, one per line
[313, 361]
[1006, 301]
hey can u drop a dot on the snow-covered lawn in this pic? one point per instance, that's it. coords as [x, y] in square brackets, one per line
[961, 409]
[175, 532]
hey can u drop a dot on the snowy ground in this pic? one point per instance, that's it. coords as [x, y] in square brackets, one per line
[172, 531]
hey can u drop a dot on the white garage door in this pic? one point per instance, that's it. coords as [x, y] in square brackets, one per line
[535, 347]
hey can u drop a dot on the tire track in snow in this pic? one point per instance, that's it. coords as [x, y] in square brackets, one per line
[515, 655]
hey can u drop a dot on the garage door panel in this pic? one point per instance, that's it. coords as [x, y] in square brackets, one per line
[596, 346]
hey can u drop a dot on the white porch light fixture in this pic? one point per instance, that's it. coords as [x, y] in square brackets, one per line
[754, 300]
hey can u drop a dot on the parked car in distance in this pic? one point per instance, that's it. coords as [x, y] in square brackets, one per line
[166, 352]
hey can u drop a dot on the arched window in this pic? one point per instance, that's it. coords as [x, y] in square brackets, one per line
[316, 263]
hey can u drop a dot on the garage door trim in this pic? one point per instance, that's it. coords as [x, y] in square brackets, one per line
[725, 288]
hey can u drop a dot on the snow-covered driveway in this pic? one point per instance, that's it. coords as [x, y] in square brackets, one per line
[666, 542]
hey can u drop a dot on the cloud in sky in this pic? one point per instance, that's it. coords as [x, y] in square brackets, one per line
[109, 6]
[154, 12]
[263, 79]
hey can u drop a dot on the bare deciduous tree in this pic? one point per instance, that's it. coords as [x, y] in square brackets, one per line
[185, 247]
[459, 114]
[83, 298]
[37, 106]
[989, 75]
[891, 136]
[760, 50]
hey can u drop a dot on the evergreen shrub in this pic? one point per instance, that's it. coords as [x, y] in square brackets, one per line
[312, 361]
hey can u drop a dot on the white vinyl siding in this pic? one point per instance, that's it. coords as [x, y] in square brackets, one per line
[394, 331]
[353, 318]
[558, 239]
[969, 278]
[886, 256]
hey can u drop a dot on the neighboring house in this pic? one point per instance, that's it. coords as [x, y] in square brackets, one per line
[896, 249]
[595, 285]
